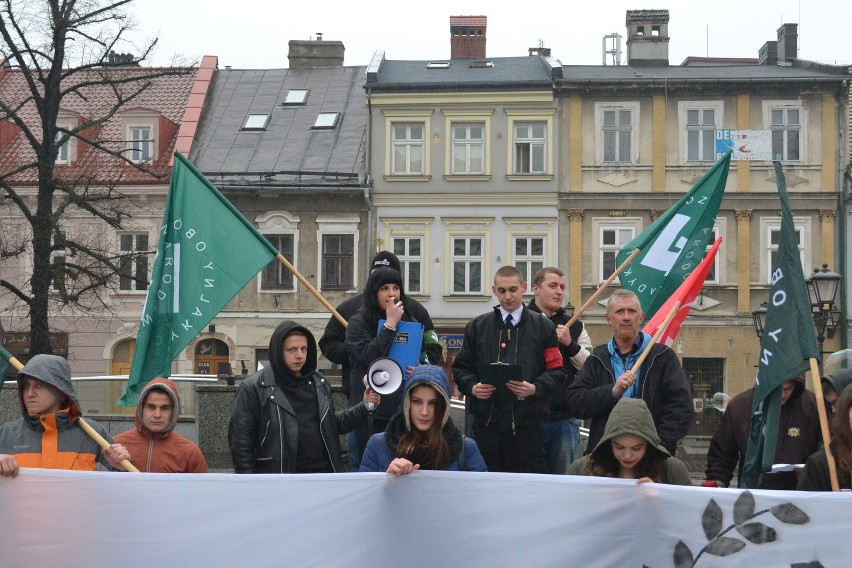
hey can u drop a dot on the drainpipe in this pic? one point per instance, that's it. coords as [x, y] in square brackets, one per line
[844, 172]
[368, 186]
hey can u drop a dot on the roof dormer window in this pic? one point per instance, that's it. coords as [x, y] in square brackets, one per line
[141, 144]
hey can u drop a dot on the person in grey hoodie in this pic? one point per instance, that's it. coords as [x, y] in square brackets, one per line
[48, 434]
[630, 449]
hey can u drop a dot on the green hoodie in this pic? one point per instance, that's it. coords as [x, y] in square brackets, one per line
[631, 416]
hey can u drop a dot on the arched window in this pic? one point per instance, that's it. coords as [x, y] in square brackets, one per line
[212, 358]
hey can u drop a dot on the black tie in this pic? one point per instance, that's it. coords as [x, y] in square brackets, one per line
[509, 322]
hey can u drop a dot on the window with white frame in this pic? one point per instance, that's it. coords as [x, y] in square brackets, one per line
[772, 235]
[338, 261]
[468, 261]
[713, 275]
[141, 144]
[618, 135]
[699, 121]
[785, 123]
[408, 150]
[276, 276]
[468, 148]
[296, 97]
[57, 261]
[63, 155]
[530, 148]
[528, 255]
[613, 237]
[133, 262]
[409, 250]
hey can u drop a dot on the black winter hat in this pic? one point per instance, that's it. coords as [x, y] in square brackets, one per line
[385, 259]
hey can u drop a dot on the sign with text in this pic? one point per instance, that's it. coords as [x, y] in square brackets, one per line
[745, 144]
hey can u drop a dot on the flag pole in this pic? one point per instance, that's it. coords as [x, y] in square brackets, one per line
[83, 424]
[657, 335]
[823, 424]
[579, 311]
[310, 287]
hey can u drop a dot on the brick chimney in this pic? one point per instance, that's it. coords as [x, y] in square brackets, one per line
[467, 37]
[647, 37]
[306, 54]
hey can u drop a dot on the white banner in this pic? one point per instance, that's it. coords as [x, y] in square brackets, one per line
[428, 519]
[745, 144]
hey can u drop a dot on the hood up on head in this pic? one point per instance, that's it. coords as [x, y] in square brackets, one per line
[162, 385]
[276, 352]
[838, 380]
[431, 375]
[631, 416]
[55, 372]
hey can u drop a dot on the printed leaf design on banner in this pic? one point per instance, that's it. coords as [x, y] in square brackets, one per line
[743, 508]
[682, 556]
[724, 546]
[789, 514]
[711, 520]
[758, 533]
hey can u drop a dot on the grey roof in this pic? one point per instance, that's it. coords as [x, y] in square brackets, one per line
[601, 74]
[288, 143]
[507, 72]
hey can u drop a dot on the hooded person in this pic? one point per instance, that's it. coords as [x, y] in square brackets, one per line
[832, 385]
[630, 448]
[283, 418]
[799, 436]
[422, 435]
[153, 444]
[48, 434]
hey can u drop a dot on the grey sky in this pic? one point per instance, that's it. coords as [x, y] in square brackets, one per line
[254, 33]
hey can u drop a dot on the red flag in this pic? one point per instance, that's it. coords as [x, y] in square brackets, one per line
[686, 294]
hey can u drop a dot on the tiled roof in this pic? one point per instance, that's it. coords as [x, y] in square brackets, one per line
[288, 142]
[507, 72]
[717, 73]
[166, 95]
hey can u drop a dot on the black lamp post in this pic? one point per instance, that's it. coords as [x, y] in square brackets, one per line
[759, 317]
[569, 310]
[822, 290]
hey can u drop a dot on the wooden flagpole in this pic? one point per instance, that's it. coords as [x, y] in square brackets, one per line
[657, 335]
[579, 311]
[310, 287]
[823, 424]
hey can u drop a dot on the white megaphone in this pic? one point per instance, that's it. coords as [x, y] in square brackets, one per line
[384, 376]
[720, 401]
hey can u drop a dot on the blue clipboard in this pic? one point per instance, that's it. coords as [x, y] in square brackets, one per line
[407, 344]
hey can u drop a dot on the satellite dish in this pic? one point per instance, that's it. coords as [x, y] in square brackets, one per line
[720, 401]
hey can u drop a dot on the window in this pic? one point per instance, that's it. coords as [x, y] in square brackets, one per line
[141, 144]
[770, 231]
[409, 250]
[786, 126]
[468, 261]
[530, 146]
[212, 357]
[612, 240]
[338, 262]
[774, 241]
[326, 120]
[529, 255]
[276, 276]
[700, 134]
[482, 64]
[468, 148]
[296, 97]
[256, 122]
[407, 149]
[63, 156]
[133, 262]
[713, 275]
[438, 65]
[618, 136]
[57, 262]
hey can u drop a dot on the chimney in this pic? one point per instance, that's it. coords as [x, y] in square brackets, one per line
[467, 37]
[768, 54]
[647, 37]
[306, 54]
[787, 43]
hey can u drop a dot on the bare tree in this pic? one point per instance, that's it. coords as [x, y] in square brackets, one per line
[61, 56]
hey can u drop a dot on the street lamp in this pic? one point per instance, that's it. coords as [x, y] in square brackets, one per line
[569, 310]
[759, 317]
[822, 290]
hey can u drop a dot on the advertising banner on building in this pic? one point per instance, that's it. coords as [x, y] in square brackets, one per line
[745, 144]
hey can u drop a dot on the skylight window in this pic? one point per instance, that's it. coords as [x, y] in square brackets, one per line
[326, 120]
[438, 65]
[256, 122]
[296, 97]
[481, 64]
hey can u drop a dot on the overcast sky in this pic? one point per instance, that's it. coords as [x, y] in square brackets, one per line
[254, 33]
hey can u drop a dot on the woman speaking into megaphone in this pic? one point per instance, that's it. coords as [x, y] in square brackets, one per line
[384, 299]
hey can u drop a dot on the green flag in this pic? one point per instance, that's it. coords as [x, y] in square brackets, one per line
[673, 245]
[788, 342]
[206, 253]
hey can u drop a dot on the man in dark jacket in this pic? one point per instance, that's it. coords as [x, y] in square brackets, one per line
[798, 437]
[332, 344]
[507, 425]
[283, 418]
[561, 433]
[608, 375]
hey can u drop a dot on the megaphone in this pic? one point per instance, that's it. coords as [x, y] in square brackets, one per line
[384, 376]
[720, 401]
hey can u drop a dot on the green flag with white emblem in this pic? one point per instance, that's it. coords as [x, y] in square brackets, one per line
[673, 245]
[207, 252]
[788, 341]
